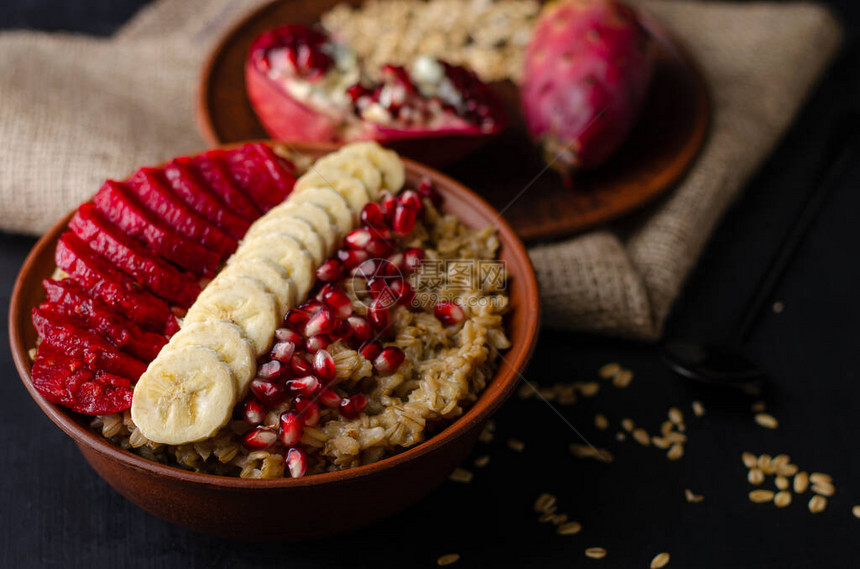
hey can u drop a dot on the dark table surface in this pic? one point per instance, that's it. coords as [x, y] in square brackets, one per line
[57, 512]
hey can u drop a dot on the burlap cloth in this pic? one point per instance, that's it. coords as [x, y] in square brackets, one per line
[75, 110]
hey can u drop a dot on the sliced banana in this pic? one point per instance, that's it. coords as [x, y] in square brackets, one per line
[285, 251]
[356, 166]
[186, 395]
[331, 201]
[242, 300]
[228, 341]
[300, 230]
[387, 161]
[316, 216]
[347, 185]
[273, 276]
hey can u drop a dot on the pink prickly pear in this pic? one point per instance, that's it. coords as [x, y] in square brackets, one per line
[587, 71]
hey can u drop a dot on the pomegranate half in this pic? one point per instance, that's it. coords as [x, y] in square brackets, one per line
[307, 87]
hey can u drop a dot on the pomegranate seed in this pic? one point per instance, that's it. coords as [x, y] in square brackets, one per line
[358, 238]
[352, 258]
[307, 385]
[324, 365]
[449, 312]
[396, 260]
[328, 398]
[360, 328]
[260, 438]
[379, 248]
[268, 392]
[311, 306]
[380, 289]
[352, 406]
[426, 189]
[404, 220]
[370, 351]
[270, 370]
[331, 270]
[297, 462]
[253, 412]
[283, 351]
[292, 426]
[287, 335]
[381, 232]
[402, 291]
[379, 315]
[309, 410]
[412, 258]
[318, 342]
[320, 323]
[372, 215]
[388, 203]
[413, 199]
[339, 302]
[389, 359]
[340, 330]
[296, 318]
[300, 365]
[366, 270]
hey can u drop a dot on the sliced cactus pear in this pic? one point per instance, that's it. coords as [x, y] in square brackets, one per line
[124, 210]
[63, 335]
[212, 167]
[586, 77]
[151, 188]
[305, 86]
[160, 277]
[114, 288]
[72, 300]
[196, 194]
[68, 381]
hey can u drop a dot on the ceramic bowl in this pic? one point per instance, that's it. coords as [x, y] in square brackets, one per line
[331, 502]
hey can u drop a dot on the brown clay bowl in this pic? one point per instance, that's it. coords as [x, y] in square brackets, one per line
[331, 502]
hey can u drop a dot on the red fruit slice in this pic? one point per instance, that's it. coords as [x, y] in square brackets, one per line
[64, 380]
[212, 167]
[282, 171]
[62, 334]
[253, 176]
[150, 187]
[158, 276]
[71, 299]
[116, 289]
[122, 209]
[196, 195]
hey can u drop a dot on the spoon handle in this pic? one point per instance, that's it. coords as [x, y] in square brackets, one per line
[842, 148]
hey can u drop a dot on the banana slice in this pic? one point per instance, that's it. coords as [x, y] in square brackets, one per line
[186, 395]
[228, 342]
[298, 229]
[273, 276]
[284, 251]
[316, 216]
[331, 201]
[354, 165]
[242, 300]
[387, 161]
[347, 185]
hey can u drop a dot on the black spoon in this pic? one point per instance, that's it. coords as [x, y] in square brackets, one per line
[725, 364]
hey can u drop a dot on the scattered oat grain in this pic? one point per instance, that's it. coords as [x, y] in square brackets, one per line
[781, 482]
[461, 475]
[817, 504]
[660, 560]
[516, 445]
[660, 442]
[761, 496]
[667, 427]
[764, 463]
[623, 378]
[620, 436]
[767, 421]
[788, 470]
[544, 502]
[755, 476]
[569, 528]
[601, 422]
[589, 389]
[782, 499]
[627, 424]
[856, 511]
[759, 407]
[609, 370]
[448, 559]
[824, 488]
[778, 307]
[675, 452]
[819, 477]
[595, 552]
[676, 416]
[693, 498]
[698, 408]
[641, 436]
[801, 482]
[525, 391]
[750, 460]
[482, 461]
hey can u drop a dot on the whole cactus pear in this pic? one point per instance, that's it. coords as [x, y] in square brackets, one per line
[587, 72]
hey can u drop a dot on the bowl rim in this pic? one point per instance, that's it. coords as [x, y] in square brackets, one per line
[505, 378]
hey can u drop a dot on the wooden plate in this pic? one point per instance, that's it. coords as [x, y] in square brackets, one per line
[508, 172]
